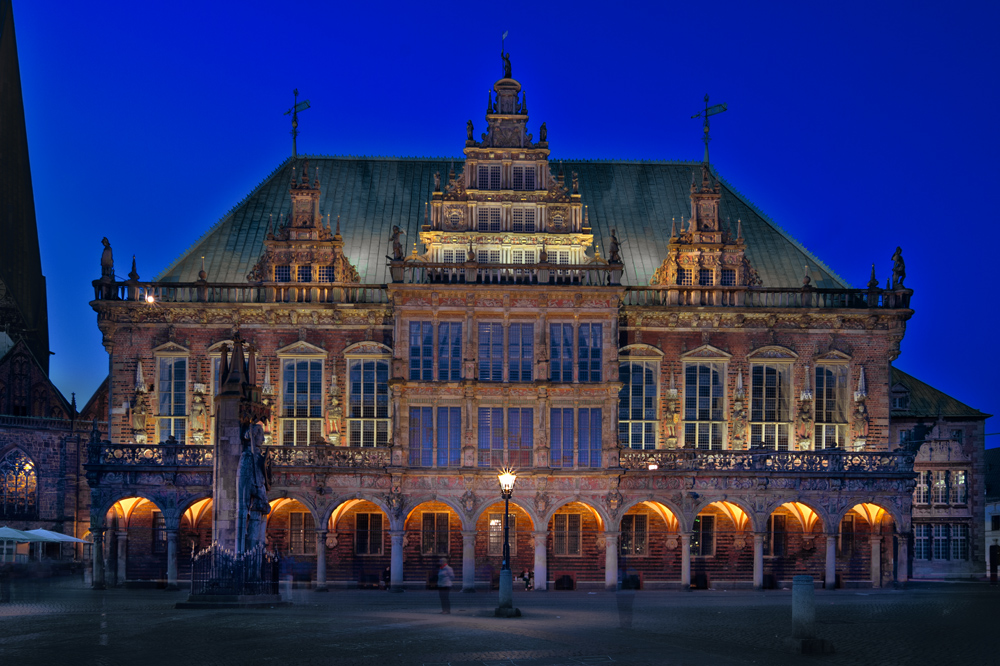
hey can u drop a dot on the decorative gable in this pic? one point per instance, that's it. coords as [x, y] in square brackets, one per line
[368, 348]
[170, 348]
[832, 356]
[640, 350]
[707, 352]
[773, 353]
[301, 348]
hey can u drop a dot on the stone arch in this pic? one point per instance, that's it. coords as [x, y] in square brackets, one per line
[675, 519]
[413, 503]
[807, 514]
[603, 519]
[198, 505]
[303, 499]
[749, 520]
[523, 506]
[331, 508]
[104, 508]
[873, 510]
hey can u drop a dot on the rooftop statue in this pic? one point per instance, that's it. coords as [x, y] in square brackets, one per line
[543, 133]
[468, 130]
[614, 250]
[506, 64]
[397, 245]
[107, 261]
[898, 269]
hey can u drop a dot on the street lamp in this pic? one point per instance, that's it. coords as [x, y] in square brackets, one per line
[506, 478]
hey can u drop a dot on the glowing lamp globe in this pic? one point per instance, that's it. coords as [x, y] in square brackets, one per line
[506, 479]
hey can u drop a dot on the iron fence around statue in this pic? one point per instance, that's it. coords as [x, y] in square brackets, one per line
[218, 570]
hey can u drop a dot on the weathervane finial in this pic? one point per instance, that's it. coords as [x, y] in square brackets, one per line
[294, 111]
[709, 111]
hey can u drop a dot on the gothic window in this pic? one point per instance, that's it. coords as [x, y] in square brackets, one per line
[633, 534]
[18, 487]
[421, 436]
[520, 436]
[770, 405]
[589, 435]
[705, 277]
[590, 340]
[368, 534]
[449, 351]
[491, 352]
[921, 542]
[368, 400]
[305, 274]
[302, 401]
[685, 277]
[561, 433]
[704, 400]
[449, 436]
[775, 537]
[831, 406]
[434, 533]
[561, 353]
[728, 277]
[159, 532]
[496, 534]
[490, 437]
[421, 351]
[703, 536]
[489, 176]
[326, 274]
[959, 542]
[520, 352]
[488, 218]
[637, 421]
[282, 273]
[301, 533]
[566, 534]
[172, 397]
[959, 487]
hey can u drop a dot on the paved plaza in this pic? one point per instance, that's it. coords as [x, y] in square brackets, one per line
[57, 621]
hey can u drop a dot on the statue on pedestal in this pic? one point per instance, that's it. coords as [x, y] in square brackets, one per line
[251, 491]
[898, 269]
[107, 262]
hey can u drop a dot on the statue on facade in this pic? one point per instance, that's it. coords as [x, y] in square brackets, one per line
[397, 245]
[251, 491]
[468, 130]
[803, 425]
[898, 269]
[139, 414]
[859, 420]
[107, 262]
[543, 134]
[614, 249]
[437, 181]
[506, 64]
[199, 415]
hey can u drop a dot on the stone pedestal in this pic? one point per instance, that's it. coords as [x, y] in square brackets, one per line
[171, 559]
[541, 561]
[506, 607]
[396, 561]
[225, 462]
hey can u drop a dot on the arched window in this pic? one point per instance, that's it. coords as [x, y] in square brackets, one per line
[18, 487]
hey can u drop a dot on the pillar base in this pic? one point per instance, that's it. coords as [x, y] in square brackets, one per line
[507, 612]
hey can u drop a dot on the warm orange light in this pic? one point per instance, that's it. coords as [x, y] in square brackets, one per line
[150, 299]
[653, 466]
[506, 477]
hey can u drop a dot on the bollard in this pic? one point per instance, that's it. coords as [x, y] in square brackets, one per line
[803, 607]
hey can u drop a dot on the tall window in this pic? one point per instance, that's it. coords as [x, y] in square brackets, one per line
[301, 533]
[847, 535]
[566, 539]
[685, 277]
[18, 487]
[959, 542]
[490, 437]
[488, 218]
[771, 405]
[172, 395]
[368, 419]
[940, 488]
[704, 418]
[521, 354]
[728, 277]
[939, 536]
[959, 487]
[703, 536]
[421, 436]
[633, 534]
[302, 400]
[524, 177]
[421, 351]
[489, 176]
[491, 352]
[496, 534]
[520, 436]
[561, 352]
[327, 273]
[159, 532]
[921, 493]
[637, 404]
[305, 273]
[775, 537]
[449, 351]
[921, 542]
[705, 277]
[449, 437]
[561, 430]
[368, 534]
[523, 219]
[434, 533]
[831, 406]
[590, 352]
[589, 435]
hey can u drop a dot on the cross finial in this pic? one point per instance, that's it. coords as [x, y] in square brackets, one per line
[705, 115]
[294, 111]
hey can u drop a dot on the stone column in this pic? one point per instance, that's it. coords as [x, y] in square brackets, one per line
[902, 558]
[121, 539]
[876, 561]
[171, 559]
[227, 447]
[468, 561]
[396, 561]
[97, 555]
[611, 561]
[831, 561]
[686, 561]
[541, 560]
[321, 561]
[758, 560]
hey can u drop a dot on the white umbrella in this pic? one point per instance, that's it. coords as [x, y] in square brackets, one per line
[55, 536]
[10, 534]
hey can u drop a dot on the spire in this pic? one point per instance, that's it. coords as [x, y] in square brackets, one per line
[739, 229]
[873, 281]
[705, 115]
[266, 387]
[862, 391]
[489, 102]
[132, 274]
[673, 227]
[140, 382]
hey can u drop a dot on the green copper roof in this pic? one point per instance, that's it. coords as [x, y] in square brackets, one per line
[926, 401]
[371, 194]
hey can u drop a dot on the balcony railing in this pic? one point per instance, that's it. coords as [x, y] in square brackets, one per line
[421, 272]
[681, 460]
[271, 292]
[160, 455]
[763, 297]
[330, 456]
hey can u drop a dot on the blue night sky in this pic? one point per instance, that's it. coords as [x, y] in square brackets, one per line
[856, 126]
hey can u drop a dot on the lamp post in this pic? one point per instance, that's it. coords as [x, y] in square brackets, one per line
[506, 477]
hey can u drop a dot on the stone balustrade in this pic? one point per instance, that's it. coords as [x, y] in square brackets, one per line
[786, 462]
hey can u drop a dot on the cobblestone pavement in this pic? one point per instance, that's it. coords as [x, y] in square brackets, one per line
[59, 621]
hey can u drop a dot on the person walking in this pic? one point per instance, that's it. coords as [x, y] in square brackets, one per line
[446, 576]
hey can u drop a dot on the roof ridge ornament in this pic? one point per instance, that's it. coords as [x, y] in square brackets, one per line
[294, 111]
[706, 114]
